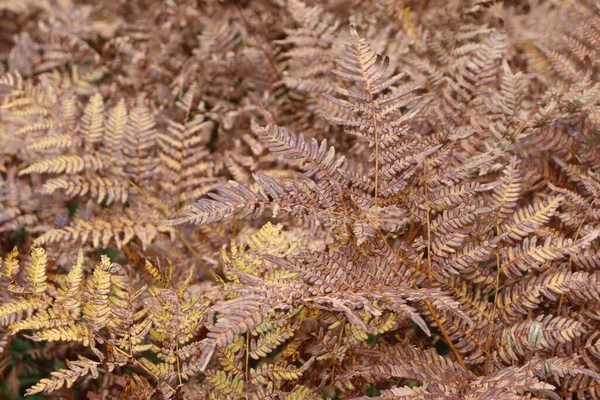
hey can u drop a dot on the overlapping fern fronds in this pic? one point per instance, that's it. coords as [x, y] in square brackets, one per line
[299, 200]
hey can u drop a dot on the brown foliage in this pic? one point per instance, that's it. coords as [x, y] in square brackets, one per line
[300, 200]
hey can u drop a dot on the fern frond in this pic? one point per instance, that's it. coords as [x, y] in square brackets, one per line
[119, 229]
[96, 309]
[116, 123]
[542, 333]
[522, 258]
[27, 304]
[66, 376]
[526, 220]
[92, 122]
[278, 372]
[53, 141]
[269, 341]
[10, 264]
[36, 271]
[139, 142]
[69, 164]
[183, 152]
[300, 199]
[227, 383]
[240, 315]
[323, 163]
[420, 365]
[103, 189]
[376, 114]
[411, 393]
[505, 196]
[528, 294]
[511, 382]
[43, 319]
[69, 333]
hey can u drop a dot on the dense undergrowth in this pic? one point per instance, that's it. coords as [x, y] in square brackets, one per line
[299, 200]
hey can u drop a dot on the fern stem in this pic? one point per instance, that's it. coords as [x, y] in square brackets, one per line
[430, 275]
[247, 366]
[457, 355]
[488, 346]
[337, 346]
[429, 306]
[570, 265]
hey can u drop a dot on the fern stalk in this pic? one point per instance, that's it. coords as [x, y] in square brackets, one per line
[570, 265]
[495, 307]
[431, 278]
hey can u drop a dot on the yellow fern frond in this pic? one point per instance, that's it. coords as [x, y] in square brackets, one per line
[277, 373]
[43, 319]
[302, 392]
[153, 271]
[10, 265]
[227, 382]
[28, 304]
[45, 126]
[269, 240]
[36, 272]
[162, 370]
[96, 309]
[270, 341]
[381, 325]
[74, 280]
[191, 323]
[115, 128]
[54, 141]
[105, 190]
[70, 164]
[65, 376]
[70, 333]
